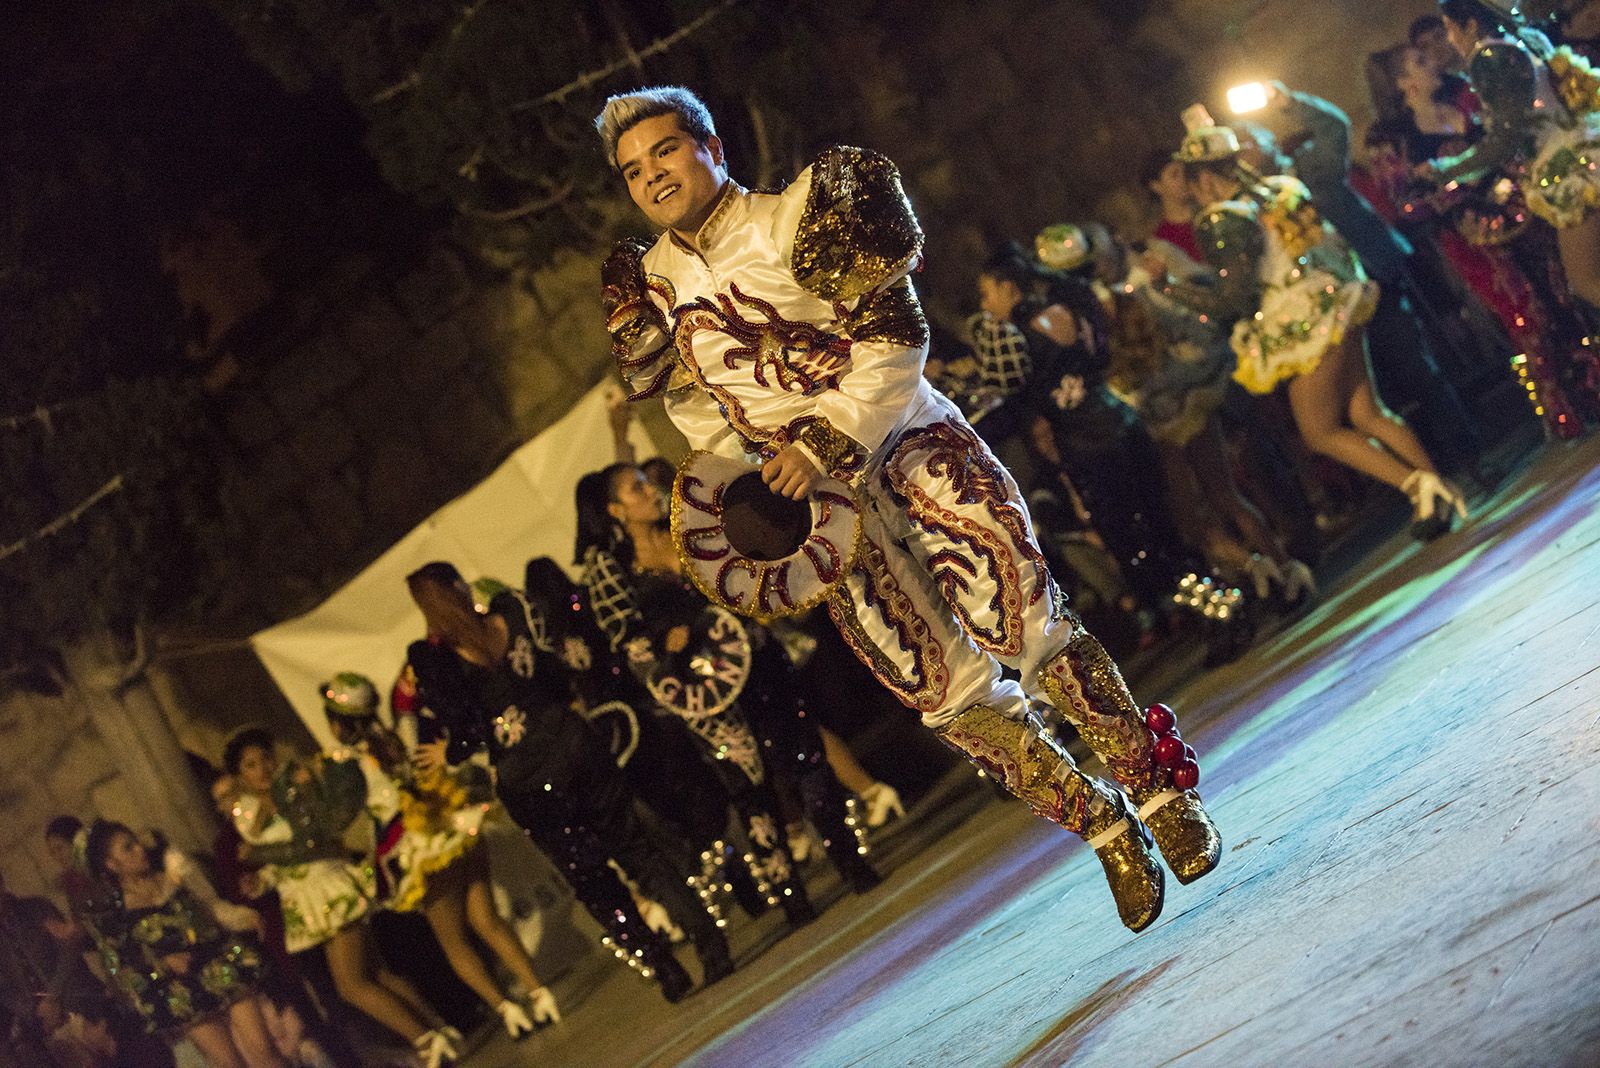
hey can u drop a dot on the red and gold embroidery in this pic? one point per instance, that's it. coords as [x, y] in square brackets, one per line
[925, 686]
[1083, 682]
[799, 356]
[954, 453]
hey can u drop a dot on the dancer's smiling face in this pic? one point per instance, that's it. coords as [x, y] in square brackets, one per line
[674, 178]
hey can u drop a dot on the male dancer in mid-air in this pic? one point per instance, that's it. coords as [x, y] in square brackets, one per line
[784, 327]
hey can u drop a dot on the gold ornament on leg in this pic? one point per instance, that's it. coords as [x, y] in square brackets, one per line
[1123, 846]
[1029, 763]
[1143, 752]
[1083, 682]
[1018, 755]
[1170, 807]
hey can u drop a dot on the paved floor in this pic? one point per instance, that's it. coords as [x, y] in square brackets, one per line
[1407, 784]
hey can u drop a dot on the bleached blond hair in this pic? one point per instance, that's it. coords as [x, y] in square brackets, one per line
[624, 111]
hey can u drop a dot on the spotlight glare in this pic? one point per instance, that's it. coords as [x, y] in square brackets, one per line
[1243, 99]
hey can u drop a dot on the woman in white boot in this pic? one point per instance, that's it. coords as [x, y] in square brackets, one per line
[1300, 301]
[428, 856]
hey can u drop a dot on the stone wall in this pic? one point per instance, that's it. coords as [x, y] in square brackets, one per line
[386, 389]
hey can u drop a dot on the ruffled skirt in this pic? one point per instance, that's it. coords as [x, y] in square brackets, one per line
[1296, 326]
[321, 898]
[1562, 183]
[437, 825]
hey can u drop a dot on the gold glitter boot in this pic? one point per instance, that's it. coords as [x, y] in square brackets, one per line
[1028, 762]
[1188, 839]
[1123, 846]
[1084, 683]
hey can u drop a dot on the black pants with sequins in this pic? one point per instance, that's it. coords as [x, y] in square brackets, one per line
[792, 748]
[590, 821]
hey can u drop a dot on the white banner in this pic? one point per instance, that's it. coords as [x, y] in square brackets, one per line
[523, 510]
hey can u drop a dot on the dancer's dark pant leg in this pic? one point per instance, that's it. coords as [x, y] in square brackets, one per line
[580, 851]
[668, 775]
[1410, 383]
[793, 748]
[756, 807]
[651, 862]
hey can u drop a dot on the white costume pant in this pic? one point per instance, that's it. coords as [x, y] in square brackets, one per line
[950, 583]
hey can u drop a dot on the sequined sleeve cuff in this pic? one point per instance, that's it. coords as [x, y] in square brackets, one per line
[837, 455]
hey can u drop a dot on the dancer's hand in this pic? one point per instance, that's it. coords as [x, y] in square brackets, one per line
[791, 473]
[619, 413]
[622, 275]
[429, 756]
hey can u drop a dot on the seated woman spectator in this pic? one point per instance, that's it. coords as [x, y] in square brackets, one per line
[185, 959]
[1105, 450]
[1173, 367]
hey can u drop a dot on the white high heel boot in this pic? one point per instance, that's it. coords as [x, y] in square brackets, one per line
[434, 1049]
[1264, 572]
[1298, 582]
[543, 1005]
[883, 804]
[1432, 502]
[515, 1019]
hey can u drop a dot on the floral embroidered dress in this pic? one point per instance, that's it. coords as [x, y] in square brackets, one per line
[1291, 284]
[1541, 117]
[184, 961]
[424, 824]
[302, 853]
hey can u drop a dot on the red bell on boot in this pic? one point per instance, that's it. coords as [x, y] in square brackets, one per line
[1168, 752]
[1186, 776]
[1160, 720]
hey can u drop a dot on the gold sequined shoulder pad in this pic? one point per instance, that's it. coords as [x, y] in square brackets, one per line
[857, 230]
